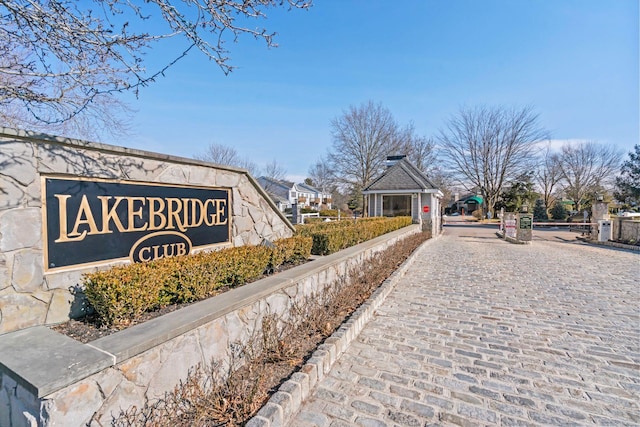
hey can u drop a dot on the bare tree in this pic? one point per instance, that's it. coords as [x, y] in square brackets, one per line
[59, 56]
[587, 167]
[420, 150]
[488, 146]
[225, 155]
[321, 175]
[106, 115]
[275, 171]
[547, 176]
[362, 138]
[272, 175]
[443, 181]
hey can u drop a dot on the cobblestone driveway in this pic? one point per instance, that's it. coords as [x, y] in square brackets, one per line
[483, 332]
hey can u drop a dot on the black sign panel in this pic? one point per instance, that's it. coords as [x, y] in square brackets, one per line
[88, 221]
[526, 222]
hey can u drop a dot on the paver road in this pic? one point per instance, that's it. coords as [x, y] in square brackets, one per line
[483, 332]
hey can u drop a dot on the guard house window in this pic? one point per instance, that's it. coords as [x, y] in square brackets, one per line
[396, 205]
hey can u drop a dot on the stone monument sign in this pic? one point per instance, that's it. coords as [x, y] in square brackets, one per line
[68, 207]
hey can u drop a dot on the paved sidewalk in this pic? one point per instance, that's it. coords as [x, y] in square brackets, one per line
[483, 332]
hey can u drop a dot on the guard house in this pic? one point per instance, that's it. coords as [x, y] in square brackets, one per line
[404, 190]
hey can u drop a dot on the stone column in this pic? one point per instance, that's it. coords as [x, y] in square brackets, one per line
[510, 224]
[525, 227]
[599, 212]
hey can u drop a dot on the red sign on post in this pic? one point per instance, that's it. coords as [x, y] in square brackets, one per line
[425, 209]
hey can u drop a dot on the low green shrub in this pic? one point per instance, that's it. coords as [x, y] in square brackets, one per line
[330, 237]
[293, 250]
[329, 212]
[121, 295]
[124, 293]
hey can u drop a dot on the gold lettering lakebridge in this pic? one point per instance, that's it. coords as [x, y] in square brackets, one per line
[92, 221]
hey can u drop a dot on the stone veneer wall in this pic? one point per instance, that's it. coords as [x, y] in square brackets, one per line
[78, 384]
[626, 229]
[28, 296]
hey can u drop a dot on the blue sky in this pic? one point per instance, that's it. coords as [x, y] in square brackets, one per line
[575, 61]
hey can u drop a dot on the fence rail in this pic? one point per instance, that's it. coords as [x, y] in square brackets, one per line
[569, 224]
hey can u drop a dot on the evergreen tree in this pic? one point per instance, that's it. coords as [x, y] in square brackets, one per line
[628, 183]
[540, 211]
[558, 211]
[520, 192]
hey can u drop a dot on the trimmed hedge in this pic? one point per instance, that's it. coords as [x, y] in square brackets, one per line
[330, 237]
[329, 212]
[121, 295]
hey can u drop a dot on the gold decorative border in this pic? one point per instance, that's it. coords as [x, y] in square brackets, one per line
[43, 202]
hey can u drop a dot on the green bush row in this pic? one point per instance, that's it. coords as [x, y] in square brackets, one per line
[330, 237]
[121, 295]
[329, 212]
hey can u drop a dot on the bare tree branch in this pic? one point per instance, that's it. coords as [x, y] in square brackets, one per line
[362, 138]
[547, 176]
[487, 146]
[58, 56]
[585, 168]
[275, 171]
[321, 176]
[225, 155]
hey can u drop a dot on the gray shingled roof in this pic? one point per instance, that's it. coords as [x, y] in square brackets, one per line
[308, 187]
[403, 175]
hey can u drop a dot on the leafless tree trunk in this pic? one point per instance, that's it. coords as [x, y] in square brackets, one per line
[58, 56]
[487, 146]
[321, 176]
[587, 167]
[362, 139]
[420, 150]
[547, 176]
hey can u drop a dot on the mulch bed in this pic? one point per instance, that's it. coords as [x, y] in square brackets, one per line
[88, 328]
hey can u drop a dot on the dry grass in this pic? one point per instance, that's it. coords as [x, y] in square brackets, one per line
[230, 393]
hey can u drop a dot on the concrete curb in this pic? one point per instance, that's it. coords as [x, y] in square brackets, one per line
[286, 402]
[617, 245]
